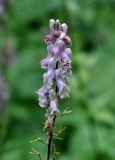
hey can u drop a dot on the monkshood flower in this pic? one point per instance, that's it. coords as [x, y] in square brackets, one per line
[63, 89]
[57, 65]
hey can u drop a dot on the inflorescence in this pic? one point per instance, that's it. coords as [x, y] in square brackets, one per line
[57, 65]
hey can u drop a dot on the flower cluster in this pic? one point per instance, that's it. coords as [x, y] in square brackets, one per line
[57, 65]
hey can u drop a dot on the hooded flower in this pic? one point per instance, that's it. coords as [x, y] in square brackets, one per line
[57, 65]
[63, 89]
[45, 62]
[53, 101]
[49, 37]
[66, 70]
[43, 96]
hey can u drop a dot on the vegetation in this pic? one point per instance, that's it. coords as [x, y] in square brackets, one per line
[90, 128]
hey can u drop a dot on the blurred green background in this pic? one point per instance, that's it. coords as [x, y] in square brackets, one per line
[90, 133]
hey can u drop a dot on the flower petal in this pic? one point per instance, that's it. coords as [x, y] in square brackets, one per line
[65, 28]
[43, 94]
[63, 89]
[53, 101]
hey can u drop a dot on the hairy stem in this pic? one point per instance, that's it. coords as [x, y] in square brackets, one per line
[51, 138]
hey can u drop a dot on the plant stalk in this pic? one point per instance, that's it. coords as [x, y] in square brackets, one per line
[50, 139]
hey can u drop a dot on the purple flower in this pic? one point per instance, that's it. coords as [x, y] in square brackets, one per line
[65, 57]
[53, 101]
[62, 87]
[65, 28]
[67, 41]
[49, 37]
[45, 62]
[49, 78]
[43, 96]
[66, 70]
[57, 31]
[57, 65]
